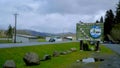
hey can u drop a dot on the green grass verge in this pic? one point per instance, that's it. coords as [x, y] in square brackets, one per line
[5, 41]
[41, 40]
[62, 61]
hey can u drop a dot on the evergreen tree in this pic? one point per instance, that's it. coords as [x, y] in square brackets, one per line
[101, 19]
[9, 32]
[97, 21]
[109, 22]
[117, 17]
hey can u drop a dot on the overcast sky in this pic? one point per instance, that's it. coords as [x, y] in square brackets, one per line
[53, 16]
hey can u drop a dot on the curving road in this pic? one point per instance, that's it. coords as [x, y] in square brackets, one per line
[9, 45]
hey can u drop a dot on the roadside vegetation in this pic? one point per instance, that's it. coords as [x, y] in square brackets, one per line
[112, 24]
[41, 40]
[63, 61]
[115, 32]
[6, 36]
[5, 41]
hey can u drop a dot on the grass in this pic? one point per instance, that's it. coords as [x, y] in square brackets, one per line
[62, 61]
[41, 40]
[5, 41]
[2, 36]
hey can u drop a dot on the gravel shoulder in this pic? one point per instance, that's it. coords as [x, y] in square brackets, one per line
[110, 61]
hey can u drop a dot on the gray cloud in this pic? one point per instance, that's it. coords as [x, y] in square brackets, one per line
[52, 15]
[76, 6]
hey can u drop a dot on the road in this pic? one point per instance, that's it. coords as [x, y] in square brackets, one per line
[9, 45]
[114, 47]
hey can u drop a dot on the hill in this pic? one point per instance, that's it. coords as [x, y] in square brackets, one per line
[34, 33]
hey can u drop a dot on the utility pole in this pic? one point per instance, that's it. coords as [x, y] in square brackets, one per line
[15, 27]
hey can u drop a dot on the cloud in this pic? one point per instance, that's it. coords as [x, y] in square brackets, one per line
[76, 6]
[52, 16]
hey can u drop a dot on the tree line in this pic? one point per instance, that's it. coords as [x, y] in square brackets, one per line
[111, 20]
[111, 23]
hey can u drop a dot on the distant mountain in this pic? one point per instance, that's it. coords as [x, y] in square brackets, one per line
[34, 33]
[65, 34]
[42, 34]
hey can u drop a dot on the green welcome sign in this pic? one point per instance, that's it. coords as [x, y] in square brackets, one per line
[89, 31]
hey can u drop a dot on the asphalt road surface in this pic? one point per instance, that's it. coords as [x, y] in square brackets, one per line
[9, 45]
[114, 47]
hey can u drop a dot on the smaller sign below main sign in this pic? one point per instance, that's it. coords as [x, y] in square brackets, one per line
[95, 31]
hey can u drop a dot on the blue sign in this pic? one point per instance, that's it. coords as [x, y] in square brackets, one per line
[95, 32]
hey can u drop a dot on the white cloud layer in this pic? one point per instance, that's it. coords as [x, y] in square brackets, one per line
[52, 16]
